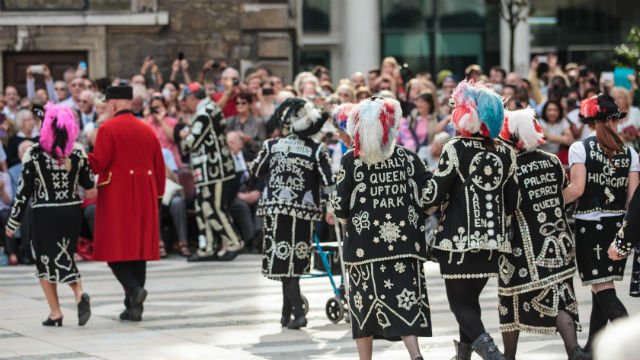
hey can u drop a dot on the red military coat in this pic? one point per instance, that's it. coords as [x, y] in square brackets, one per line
[131, 178]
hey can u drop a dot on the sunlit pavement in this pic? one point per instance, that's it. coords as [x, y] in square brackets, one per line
[224, 311]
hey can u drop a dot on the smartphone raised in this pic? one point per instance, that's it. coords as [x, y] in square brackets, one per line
[37, 69]
[180, 55]
[82, 65]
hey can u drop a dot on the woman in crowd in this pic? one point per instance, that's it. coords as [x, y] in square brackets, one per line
[296, 167]
[629, 125]
[346, 93]
[419, 129]
[27, 130]
[476, 182]
[604, 175]
[253, 129]
[536, 279]
[363, 93]
[170, 91]
[384, 251]
[52, 171]
[557, 130]
[391, 69]
[163, 126]
[267, 100]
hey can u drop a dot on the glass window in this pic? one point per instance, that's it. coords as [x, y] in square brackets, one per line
[461, 14]
[315, 16]
[455, 51]
[311, 58]
[407, 14]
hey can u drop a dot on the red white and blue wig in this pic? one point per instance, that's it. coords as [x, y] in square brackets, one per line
[478, 110]
[373, 125]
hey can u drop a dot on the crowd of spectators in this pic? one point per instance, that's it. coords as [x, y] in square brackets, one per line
[248, 100]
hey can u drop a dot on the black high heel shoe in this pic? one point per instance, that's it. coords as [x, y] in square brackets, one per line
[84, 309]
[52, 322]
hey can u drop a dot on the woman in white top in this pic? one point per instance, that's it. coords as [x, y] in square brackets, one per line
[556, 128]
[604, 175]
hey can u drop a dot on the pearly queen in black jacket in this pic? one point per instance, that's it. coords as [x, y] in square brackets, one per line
[297, 168]
[473, 217]
[381, 206]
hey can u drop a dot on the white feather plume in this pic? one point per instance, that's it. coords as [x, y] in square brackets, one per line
[521, 124]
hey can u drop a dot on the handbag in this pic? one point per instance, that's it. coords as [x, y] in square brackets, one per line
[432, 223]
[171, 189]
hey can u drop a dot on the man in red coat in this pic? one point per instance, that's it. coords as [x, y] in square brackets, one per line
[131, 175]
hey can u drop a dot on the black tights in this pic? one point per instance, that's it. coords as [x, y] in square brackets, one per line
[605, 307]
[464, 302]
[130, 274]
[565, 325]
[291, 297]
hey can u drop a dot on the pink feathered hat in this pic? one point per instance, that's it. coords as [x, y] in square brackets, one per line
[59, 130]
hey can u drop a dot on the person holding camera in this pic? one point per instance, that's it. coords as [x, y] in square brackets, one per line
[48, 81]
[163, 125]
[253, 129]
[226, 99]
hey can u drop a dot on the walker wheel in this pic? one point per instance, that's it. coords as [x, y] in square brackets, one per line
[305, 304]
[335, 310]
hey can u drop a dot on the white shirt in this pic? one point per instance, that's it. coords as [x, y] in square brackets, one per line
[10, 115]
[554, 129]
[578, 155]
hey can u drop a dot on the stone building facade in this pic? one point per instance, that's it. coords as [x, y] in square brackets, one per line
[116, 35]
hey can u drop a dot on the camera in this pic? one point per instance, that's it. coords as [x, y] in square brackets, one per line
[267, 91]
[37, 69]
[236, 82]
[180, 55]
[153, 109]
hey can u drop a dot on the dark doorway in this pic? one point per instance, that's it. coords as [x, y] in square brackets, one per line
[16, 63]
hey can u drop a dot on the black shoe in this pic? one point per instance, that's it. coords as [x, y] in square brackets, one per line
[125, 315]
[52, 322]
[84, 309]
[227, 256]
[579, 354]
[198, 258]
[486, 348]
[137, 298]
[297, 323]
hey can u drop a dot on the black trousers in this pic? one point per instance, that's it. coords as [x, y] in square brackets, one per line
[131, 274]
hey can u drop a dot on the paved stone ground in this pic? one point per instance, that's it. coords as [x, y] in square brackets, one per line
[221, 311]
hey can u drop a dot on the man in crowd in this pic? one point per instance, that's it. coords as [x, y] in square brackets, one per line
[214, 173]
[226, 99]
[87, 111]
[12, 101]
[131, 179]
[77, 85]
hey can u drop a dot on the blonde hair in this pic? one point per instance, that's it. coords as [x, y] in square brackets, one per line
[349, 88]
[625, 92]
[20, 116]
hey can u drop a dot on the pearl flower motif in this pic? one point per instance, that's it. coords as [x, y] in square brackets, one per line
[523, 272]
[400, 267]
[359, 252]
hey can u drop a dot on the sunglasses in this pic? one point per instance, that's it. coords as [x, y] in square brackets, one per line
[60, 89]
[241, 103]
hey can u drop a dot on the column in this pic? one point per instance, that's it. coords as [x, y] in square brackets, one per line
[521, 47]
[360, 36]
